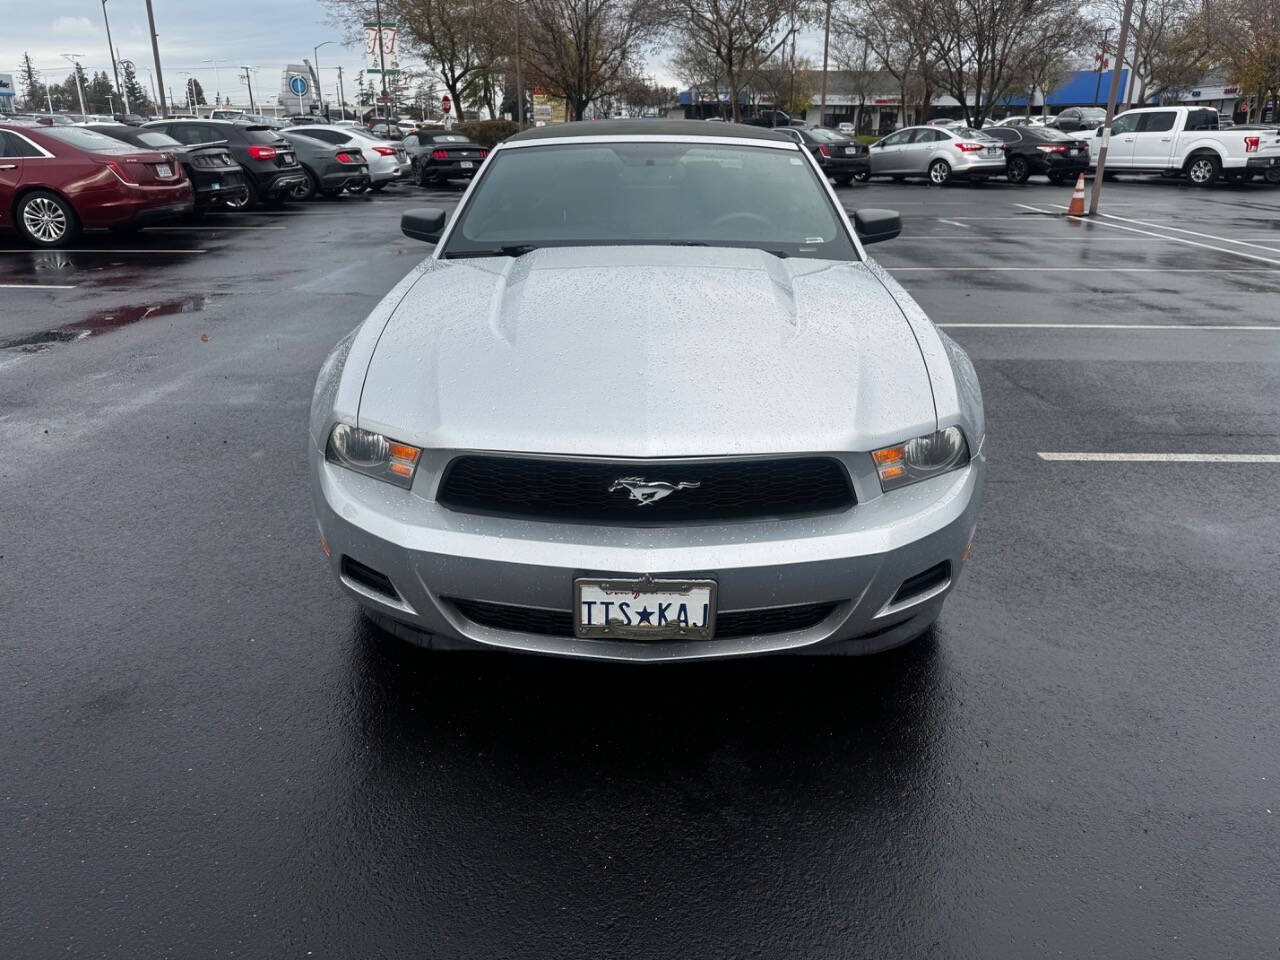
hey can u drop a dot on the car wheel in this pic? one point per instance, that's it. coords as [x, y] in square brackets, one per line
[1272, 174]
[939, 172]
[1203, 171]
[305, 191]
[45, 219]
[1019, 170]
[245, 202]
[863, 176]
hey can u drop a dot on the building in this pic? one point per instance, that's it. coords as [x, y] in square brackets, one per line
[7, 91]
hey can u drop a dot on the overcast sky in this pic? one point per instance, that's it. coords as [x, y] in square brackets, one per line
[262, 33]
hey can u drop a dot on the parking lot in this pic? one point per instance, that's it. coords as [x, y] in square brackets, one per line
[207, 752]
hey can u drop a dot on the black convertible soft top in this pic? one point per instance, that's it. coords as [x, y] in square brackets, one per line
[649, 128]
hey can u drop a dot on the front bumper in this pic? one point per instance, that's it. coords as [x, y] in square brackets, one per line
[856, 560]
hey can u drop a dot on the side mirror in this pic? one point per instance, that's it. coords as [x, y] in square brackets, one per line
[873, 226]
[423, 223]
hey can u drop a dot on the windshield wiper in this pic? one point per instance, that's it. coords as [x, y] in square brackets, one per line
[508, 250]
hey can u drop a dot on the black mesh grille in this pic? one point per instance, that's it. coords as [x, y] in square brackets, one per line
[559, 623]
[590, 491]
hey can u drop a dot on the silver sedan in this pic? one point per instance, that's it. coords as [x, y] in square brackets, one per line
[648, 400]
[938, 153]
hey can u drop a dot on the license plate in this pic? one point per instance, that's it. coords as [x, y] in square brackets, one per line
[645, 609]
[850, 151]
[466, 165]
[164, 171]
[992, 151]
[288, 157]
[215, 186]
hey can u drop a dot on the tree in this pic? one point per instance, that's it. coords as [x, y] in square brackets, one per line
[1249, 44]
[741, 35]
[195, 92]
[33, 95]
[100, 96]
[580, 49]
[136, 94]
[702, 72]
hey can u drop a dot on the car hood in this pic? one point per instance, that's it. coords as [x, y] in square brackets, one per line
[647, 352]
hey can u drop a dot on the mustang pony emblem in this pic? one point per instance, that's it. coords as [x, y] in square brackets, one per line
[645, 492]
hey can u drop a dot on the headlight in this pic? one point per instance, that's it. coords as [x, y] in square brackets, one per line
[372, 454]
[921, 458]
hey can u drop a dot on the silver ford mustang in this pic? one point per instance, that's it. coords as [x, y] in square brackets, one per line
[648, 400]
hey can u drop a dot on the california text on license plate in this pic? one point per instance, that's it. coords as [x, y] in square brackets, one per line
[645, 609]
[164, 170]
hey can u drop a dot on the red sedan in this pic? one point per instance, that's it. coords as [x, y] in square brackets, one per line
[54, 181]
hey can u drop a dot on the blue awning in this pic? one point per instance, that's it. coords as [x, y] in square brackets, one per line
[1083, 88]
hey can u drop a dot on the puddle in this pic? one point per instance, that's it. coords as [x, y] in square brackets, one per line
[104, 321]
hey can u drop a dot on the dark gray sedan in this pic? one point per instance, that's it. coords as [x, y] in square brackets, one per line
[329, 169]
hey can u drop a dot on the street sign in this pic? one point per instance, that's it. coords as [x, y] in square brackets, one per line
[445, 104]
[298, 85]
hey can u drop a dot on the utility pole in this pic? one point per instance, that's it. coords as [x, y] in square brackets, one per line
[315, 54]
[1102, 62]
[155, 52]
[826, 41]
[217, 78]
[252, 107]
[115, 69]
[75, 71]
[342, 97]
[1111, 108]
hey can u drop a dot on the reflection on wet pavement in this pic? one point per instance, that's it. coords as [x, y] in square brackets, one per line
[102, 322]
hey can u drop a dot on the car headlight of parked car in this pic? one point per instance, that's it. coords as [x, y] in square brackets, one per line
[921, 458]
[372, 454]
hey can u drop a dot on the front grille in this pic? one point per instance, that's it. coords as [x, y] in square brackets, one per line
[589, 491]
[559, 623]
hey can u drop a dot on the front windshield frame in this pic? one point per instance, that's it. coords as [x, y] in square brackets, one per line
[844, 246]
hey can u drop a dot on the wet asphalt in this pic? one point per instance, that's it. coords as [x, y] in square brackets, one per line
[205, 752]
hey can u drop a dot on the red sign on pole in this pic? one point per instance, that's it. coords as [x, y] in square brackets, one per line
[445, 104]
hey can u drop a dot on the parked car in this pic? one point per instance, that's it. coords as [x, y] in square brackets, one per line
[56, 180]
[841, 158]
[939, 153]
[1041, 150]
[945, 122]
[1186, 141]
[1271, 173]
[214, 174]
[1078, 118]
[772, 118]
[329, 171]
[387, 161]
[1014, 122]
[747, 477]
[437, 156]
[271, 169]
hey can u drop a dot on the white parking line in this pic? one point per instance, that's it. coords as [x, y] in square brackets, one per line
[1161, 236]
[960, 266]
[952, 223]
[113, 252]
[38, 286]
[1161, 457]
[1114, 326]
[1207, 236]
[185, 229]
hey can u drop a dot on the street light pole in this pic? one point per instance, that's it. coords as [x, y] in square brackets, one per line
[1111, 108]
[248, 83]
[217, 77]
[315, 58]
[826, 43]
[115, 69]
[155, 52]
[342, 97]
[75, 71]
[382, 58]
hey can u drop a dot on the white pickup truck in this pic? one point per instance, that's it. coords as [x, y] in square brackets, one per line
[1186, 141]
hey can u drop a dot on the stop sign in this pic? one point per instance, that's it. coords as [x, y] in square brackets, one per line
[445, 104]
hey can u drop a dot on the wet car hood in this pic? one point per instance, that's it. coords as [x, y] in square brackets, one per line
[645, 352]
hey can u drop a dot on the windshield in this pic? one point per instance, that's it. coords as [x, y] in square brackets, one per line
[1093, 113]
[694, 194]
[448, 138]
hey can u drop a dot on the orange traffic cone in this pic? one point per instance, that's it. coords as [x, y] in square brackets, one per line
[1077, 200]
